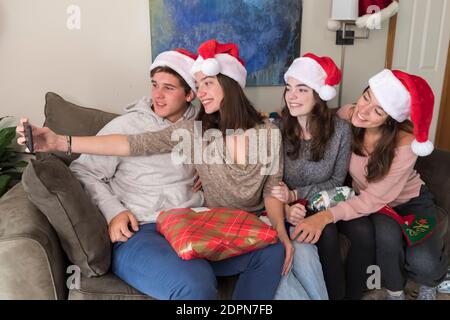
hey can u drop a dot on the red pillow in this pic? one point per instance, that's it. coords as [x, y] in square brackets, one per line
[213, 234]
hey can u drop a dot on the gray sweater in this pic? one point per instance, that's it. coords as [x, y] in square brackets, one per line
[309, 177]
[143, 185]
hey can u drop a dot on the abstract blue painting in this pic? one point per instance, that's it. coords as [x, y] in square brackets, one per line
[266, 31]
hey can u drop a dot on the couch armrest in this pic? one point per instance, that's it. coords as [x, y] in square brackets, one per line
[32, 263]
[435, 171]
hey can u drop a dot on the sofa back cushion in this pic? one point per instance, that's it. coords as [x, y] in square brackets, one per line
[67, 118]
[80, 226]
[435, 172]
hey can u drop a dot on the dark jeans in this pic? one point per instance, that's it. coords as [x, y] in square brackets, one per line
[349, 281]
[425, 262]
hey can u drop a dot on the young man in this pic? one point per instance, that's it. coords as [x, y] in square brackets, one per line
[131, 191]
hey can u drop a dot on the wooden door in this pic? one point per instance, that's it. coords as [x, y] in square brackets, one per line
[443, 127]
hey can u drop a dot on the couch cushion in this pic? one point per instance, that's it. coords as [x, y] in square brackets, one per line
[67, 118]
[111, 287]
[106, 287]
[81, 228]
[32, 262]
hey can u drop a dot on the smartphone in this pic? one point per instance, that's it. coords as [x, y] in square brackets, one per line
[28, 136]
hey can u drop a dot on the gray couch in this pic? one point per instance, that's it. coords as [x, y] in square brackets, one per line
[33, 264]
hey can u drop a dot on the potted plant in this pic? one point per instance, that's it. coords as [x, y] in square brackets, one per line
[10, 165]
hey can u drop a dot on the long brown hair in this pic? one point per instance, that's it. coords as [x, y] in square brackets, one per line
[320, 124]
[236, 111]
[380, 160]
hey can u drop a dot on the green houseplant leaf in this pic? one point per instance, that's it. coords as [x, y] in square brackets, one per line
[6, 136]
[10, 165]
[4, 182]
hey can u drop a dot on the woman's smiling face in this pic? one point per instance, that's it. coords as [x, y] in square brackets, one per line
[368, 112]
[299, 98]
[209, 92]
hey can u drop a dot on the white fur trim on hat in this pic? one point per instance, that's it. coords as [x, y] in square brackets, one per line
[311, 73]
[221, 63]
[392, 95]
[178, 62]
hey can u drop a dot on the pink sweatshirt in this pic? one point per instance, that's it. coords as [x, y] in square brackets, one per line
[401, 184]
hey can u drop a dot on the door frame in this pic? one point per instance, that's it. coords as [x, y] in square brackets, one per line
[443, 141]
[440, 137]
[391, 41]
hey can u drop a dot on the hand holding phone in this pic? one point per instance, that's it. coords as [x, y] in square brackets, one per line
[28, 136]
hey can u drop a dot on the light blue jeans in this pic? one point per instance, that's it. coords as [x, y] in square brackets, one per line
[305, 280]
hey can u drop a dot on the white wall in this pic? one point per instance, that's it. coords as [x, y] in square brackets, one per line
[105, 64]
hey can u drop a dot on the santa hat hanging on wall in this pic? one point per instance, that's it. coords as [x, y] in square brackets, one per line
[371, 14]
[403, 95]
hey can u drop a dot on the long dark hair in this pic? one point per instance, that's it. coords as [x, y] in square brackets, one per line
[380, 160]
[320, 124]
[236, 111]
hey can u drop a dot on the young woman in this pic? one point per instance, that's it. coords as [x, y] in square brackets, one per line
[385, 150]
[317, 148]
[228, 181]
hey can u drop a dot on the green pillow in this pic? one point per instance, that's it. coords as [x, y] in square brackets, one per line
[80, 226]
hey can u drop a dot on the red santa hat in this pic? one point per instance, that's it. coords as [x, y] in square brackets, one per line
[372, 13]
[215, 57]
[319, 73]
[403, 95]
[179, 60]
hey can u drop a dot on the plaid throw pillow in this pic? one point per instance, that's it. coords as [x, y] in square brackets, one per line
[214, 234]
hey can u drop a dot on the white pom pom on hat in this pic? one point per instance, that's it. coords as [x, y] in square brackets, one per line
[319, 73]
[211, 67]
[422, 148]
[326, 92]
[215, 57]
